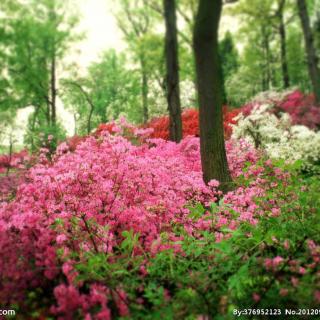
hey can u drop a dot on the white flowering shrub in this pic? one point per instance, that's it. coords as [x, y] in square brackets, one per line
[279, 138]
[271, 96]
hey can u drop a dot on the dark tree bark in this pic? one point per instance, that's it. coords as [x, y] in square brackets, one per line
[53, 90]
[268, 58]
[283, 46]
[172, 68]
[284, 62]
[212, 146]
[10, 154]
[144, 90]
[312, 59]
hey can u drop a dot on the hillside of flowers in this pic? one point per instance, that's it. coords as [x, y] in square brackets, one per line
[120, 225]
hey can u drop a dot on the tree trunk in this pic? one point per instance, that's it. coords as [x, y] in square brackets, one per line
[284, 62]
[213, 153]
[314, 71]
[283, 47]
[89, 118]
[144, 89]
[268, 68]
[172, 66]
[10, 154]
[75, 123]
[53, 89]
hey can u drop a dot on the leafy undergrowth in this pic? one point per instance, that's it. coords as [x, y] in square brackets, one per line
[116, 229]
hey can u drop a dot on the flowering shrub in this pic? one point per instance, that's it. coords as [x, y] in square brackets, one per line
[279, 138]
[104, 198]
[301, 108]
[74, 141]
[190, 123]
[16, 160]
[12, 169]
[118, 224]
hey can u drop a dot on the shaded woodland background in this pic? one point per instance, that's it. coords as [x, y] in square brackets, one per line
[268, 51]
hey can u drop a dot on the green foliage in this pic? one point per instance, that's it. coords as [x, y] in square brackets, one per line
[298, 71]
[36, 36]
[261, 55]
[110, 89]
[229, 61]
[37, 135]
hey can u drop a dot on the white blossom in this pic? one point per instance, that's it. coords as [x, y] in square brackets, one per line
[279, 138]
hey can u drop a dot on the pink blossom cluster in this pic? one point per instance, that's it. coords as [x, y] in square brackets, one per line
[302, 108]
[12, 169]
[84, 200]
[16, 160]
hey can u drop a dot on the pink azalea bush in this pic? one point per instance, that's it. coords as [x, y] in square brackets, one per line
[15, 161]
[12, 169]
[84, 200]
[88, 229]
[301, 108]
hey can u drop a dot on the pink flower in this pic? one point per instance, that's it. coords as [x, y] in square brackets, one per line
[275, 212]
[276, 261]
[268, 263]
[273, 263]
[294, 281]
[256, 297]
[286, 244]
[283, 292]
[61, 238]
[302, 270]
[214, 183]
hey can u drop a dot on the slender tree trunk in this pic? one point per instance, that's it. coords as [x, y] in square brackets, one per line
[172, 66]
[312, 59]
[283, 46]
[284, 62]
[10, 154]
[89, 118]
[268, 68]
[213, 153]
[90, 102]
[48, 111]
[144, 89]
[53, 89]
[75, 124]
[33, 123]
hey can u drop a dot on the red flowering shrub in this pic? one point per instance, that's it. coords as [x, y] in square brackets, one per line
[190, 123]
[109, 127]
[302, 109]
[14, 161]
[229, 120]
[74, 141]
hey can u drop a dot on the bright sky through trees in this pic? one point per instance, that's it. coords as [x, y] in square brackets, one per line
[101, 32]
